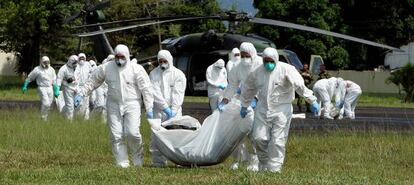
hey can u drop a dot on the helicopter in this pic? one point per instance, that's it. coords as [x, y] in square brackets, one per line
[193, 53]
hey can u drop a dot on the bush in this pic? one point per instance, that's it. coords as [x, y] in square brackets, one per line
[404, 78]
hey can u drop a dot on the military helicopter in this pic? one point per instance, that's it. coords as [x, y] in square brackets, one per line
[193, 53]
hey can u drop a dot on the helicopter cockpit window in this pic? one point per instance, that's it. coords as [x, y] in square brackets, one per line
[283, 59]
[181, 63]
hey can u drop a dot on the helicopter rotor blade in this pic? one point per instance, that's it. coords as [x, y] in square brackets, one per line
[320, 31]
[129, 21]
[142, 25]
[99, 6]
[72, 17]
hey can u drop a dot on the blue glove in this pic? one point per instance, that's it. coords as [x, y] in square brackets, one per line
[238, 90]
[78, 100]
[56, 90]
[220, 106]
[150, 115]
[315, 107]
[25, 84]
[222, 86]
[243, 112]
[169, 112]
[339, 105]
[253, 104]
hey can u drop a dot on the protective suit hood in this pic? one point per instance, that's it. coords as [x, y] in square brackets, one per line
[165, 54]
[248, 48]
[45, 62]
[81, 61]
[232, 53]
[219, 64]
[72, 61]
[122, 50]
[271, 53]
[93, 63]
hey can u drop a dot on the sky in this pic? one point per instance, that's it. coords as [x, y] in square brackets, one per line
[241, 5]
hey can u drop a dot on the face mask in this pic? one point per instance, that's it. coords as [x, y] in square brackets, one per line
[120, 62]
[269, 66]
[246, 61]
[164, 66]
[81, 62]
[237, 58]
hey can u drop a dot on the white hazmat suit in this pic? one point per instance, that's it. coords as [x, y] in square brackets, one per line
[352, 93]
[234, 59]
[216, 76]
[83, 72]
[127, 82]
[45, 77]
[67, 80]
[276, 91]
[325, 90]
[236, 79]
[169, 85]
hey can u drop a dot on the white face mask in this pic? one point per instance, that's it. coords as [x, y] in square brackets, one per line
[120, 62]
[237, 58]
[164, 66]
[81, 62]
[246, 61]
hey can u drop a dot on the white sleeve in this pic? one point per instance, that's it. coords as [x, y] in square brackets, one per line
[60, 76]
[234, 83]
[93, 82]
[299, 85]
[144, 85]
[340, 92]
[178, 91]
[33, 75]
[159, 100]
[249, 89]
[209, 77]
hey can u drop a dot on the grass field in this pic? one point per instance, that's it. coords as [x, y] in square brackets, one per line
[61, 152]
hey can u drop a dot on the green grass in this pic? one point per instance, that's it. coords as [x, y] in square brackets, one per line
[61, 152]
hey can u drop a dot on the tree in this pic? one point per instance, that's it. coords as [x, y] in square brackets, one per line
[33, 28]
[316, 13]
[404, 78]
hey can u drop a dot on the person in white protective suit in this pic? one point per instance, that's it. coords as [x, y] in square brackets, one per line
[92, 98]
[216, 76]
[236, 79]
[276, 83]
[169, 85]
[45, 77]
[234, 57]
[67, 81]
[325, 90]
[83, 72]
[126, 83]
[349, 100]
[101, 92]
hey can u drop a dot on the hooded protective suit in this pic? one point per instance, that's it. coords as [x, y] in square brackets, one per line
[93, 97]
[83, 72]
[101, 93]
[276, 91]
[325, 90]
[234, 60]
[169, 85]
[216, 77]
[68, 82]
[236, 80]
[126, 84]
[350, 99]
[45, 76]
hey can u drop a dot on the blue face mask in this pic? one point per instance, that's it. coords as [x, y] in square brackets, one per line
[269, 66]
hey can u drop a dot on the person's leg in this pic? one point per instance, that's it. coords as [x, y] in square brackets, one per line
[261, 137]
[158, 160]
[45, 101]
[69, 104]
[132, 122]
[115, 125]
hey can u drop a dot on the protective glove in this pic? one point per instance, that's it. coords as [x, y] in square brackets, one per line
[243, 112]
[56, 90]
[238, 90]
[220, 106]
[222, 86]
[339, 105]
[150, 115]
[78, 100]
[25, 84]
[253, 104]
[315, 107]
[169, 112]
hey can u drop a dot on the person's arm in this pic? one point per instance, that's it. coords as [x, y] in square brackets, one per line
[159, 100]
[233, 84]
[178, 91]
[144, 85]
[32, 75]
[93, 82]
[299, 85]
[249, 90]
[209, 77]
[339, 93]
